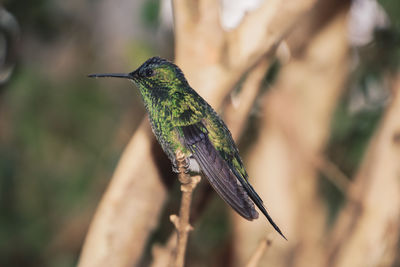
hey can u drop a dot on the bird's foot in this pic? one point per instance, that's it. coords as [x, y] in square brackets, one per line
[186, 166]
[175, 167]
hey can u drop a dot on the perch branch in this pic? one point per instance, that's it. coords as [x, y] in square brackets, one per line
[181, 223]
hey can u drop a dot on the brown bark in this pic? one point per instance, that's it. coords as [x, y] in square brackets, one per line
[182, 224]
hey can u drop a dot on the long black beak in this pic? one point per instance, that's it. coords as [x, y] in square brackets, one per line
[112, 75]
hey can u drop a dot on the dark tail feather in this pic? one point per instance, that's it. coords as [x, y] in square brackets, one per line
[257, 200]
[264, 211]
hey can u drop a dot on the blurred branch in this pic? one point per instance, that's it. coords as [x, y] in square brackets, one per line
[367, 232]
[256, 257]
[238, 109]
[293, 131]
[163, 255]
[182, 225]
[262, 30]
[128, 212]
[333, 174]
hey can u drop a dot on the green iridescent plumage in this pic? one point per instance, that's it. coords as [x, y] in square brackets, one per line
[182, 119]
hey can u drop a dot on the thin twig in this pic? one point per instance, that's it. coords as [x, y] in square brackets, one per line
[259, 252]
[181, 223]
[333, 173]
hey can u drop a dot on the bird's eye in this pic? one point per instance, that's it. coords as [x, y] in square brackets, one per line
[149, 72]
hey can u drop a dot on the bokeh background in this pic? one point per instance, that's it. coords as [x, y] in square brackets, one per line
[62, 134]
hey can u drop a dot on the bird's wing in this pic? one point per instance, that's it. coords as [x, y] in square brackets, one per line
[221, 139]
[217, 170]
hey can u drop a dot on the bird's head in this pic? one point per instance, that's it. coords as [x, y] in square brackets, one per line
[156, 77]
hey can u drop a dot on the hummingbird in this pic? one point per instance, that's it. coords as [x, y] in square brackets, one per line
[181, 119]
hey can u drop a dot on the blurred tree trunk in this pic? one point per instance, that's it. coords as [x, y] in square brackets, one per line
[128, 212]
[293, 132]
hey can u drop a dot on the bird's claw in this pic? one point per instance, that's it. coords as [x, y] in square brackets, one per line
[186, 166]
[175, 168]
[187, 163]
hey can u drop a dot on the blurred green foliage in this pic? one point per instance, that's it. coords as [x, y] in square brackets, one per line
[55, 145]
[61, 137]
[150, 12]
